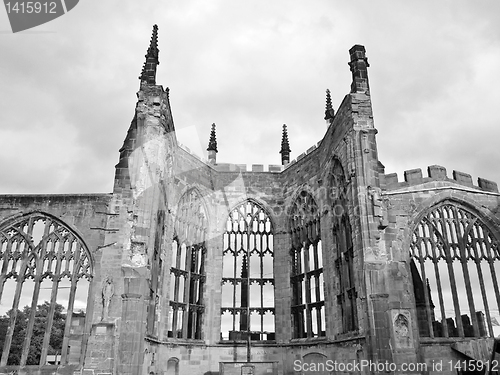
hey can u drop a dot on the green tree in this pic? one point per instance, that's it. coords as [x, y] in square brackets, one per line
[39, 329]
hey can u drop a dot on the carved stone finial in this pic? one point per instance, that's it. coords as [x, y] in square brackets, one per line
[329, 112]
[148, 74]
[285, 147]
[212, 146]
[212, 143]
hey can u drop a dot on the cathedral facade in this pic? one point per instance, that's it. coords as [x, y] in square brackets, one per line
[323, 264]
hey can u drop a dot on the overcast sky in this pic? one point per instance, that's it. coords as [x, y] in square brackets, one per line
[68, 87]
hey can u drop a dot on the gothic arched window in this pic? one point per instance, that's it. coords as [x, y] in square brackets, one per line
[308, 299]
[187, 274]
[247, 275]
[45, 271]
[344, 254]
[455, 266]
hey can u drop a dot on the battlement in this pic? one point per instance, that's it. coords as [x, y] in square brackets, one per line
[414, 177]
[230, 167]
[301, 156]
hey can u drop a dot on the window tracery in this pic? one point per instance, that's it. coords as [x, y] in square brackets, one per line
[41, 259]
[308, 300]
[248, 275]
[455, 266]
[187, 274]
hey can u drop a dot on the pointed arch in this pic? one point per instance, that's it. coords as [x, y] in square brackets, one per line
[240, 203]
[39, 249]
[455, 265]
[307, 280]
[196, 195]
[187, 273]
[248, 274]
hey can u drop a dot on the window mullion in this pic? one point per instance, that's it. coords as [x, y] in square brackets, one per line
[12, 321]
[187, 286]
[69, 315]
[491, 263]
[451, 272]
[36, 291]
[435, 259]
[427, 296]
[464, 259]
[6, 256]
[53, 301]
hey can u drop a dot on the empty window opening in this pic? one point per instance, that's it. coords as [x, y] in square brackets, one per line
[248, 275]
[308, 304]
[187, 274]
[45, 272]
[455, 267]
[343, 252]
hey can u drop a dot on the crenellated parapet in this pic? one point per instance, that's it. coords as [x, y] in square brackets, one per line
[435, 173]
[303, 155]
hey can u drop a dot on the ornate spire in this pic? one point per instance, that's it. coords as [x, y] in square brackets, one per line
[212, 146]
[148, 74]
[285, 147]
[329, 112]
[212, 143]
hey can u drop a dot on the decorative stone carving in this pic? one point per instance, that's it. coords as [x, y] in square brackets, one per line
[108, 290]
[401, 325]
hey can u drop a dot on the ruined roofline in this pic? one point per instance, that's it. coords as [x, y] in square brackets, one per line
[304, 154]
[233, 167]
[333, 125]
[358, 64]
[414, 177]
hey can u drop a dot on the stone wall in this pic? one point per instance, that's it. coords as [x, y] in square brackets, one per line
[86, 215]
[405, 203]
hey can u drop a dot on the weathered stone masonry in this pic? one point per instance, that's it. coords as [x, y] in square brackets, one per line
[353, 291]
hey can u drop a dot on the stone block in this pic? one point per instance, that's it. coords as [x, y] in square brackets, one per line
[301, 156]
[462, 178]
[436, 172]
[487, 185]
[275, 168]
[413, 176]
[257, 168]
[311, 149]
[222, 167]
[391, 179]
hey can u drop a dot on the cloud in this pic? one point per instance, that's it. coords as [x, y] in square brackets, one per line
[68, 87]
